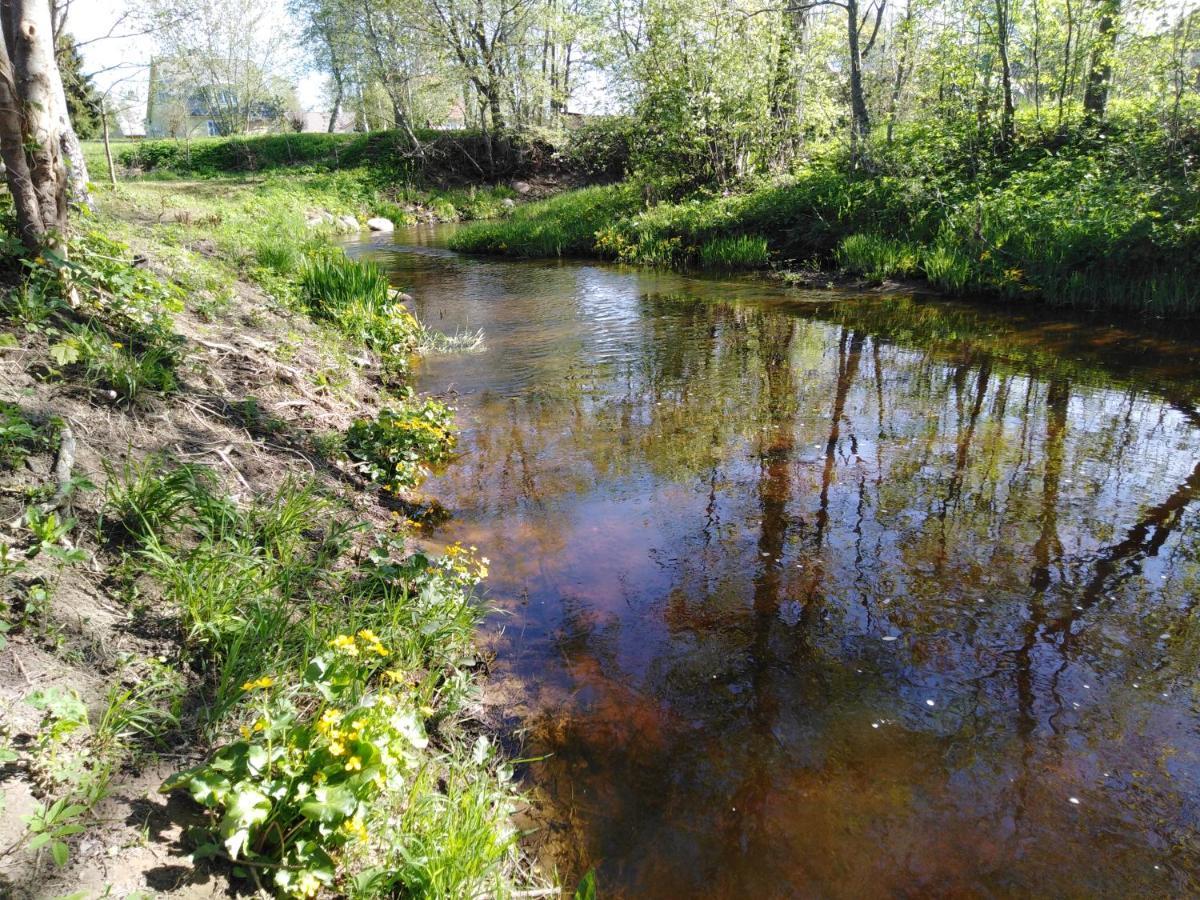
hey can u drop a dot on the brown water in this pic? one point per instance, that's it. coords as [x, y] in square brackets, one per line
[815, 597]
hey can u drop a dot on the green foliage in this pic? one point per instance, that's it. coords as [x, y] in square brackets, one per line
[1097, 218]
[565, 225]
[117, 333]
[356, 298]
[324, 762]
[878, 258]
[395, 448]
[741, 252]
[129, 372]
[329, 781]
[153, 499]
[51, 824]
[21, 437]
[600, 149]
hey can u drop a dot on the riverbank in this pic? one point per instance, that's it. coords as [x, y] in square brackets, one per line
[225, 656]
[1095, 218]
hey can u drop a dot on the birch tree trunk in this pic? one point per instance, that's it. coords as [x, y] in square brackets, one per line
[32, 113]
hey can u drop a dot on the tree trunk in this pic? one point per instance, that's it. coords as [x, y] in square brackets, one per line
[903, 64]
[337, 104]
[31, 135]
[785, 85]
[860, 122]
[1008, 114]
[112, 172]
[1095, 94]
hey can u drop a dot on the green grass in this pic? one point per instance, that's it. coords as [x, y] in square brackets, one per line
[354, 296]
[745, 251]
[268, 588]
[1095, 219]
[565, 225]
[878, 258]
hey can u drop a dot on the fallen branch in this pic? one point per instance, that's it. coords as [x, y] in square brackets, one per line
[62, 469]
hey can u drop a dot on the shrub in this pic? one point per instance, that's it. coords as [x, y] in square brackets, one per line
[599, 148]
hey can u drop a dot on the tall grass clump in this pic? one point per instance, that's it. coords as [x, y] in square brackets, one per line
[745, 251]
[878, 258]
[355, 297]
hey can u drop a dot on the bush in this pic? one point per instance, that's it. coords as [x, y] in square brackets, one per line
[599, 149]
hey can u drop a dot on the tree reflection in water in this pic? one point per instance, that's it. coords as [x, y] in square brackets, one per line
[831, 598]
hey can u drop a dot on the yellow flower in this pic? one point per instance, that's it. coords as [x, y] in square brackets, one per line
[380, 649]
[368, 635]
[245, 732]
[337, 748]
[260, 725]
[355, 827]
[265, 682]
[354, 764]
[328, 719]
[344, 643]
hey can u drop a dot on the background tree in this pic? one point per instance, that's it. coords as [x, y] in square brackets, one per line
[225, 56]
[83, 100]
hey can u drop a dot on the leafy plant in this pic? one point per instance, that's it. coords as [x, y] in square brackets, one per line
[397, 446]
[313, 757]
[51, 824]
[20, 437]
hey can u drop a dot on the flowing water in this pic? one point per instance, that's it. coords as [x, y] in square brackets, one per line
[807, 596]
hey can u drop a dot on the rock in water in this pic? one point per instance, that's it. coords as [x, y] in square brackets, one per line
[348, 223]
[380, 224]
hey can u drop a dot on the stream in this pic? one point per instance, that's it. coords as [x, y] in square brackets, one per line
[810, 595]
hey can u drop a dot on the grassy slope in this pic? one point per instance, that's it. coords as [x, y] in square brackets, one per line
[344, 172]
[195, 584]
[1098, 220]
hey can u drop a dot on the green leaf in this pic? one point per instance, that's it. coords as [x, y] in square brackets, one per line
[39, 840]
[247, 808]
[60, 853]
[330, 805]
[587, 886]
[65, 352]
